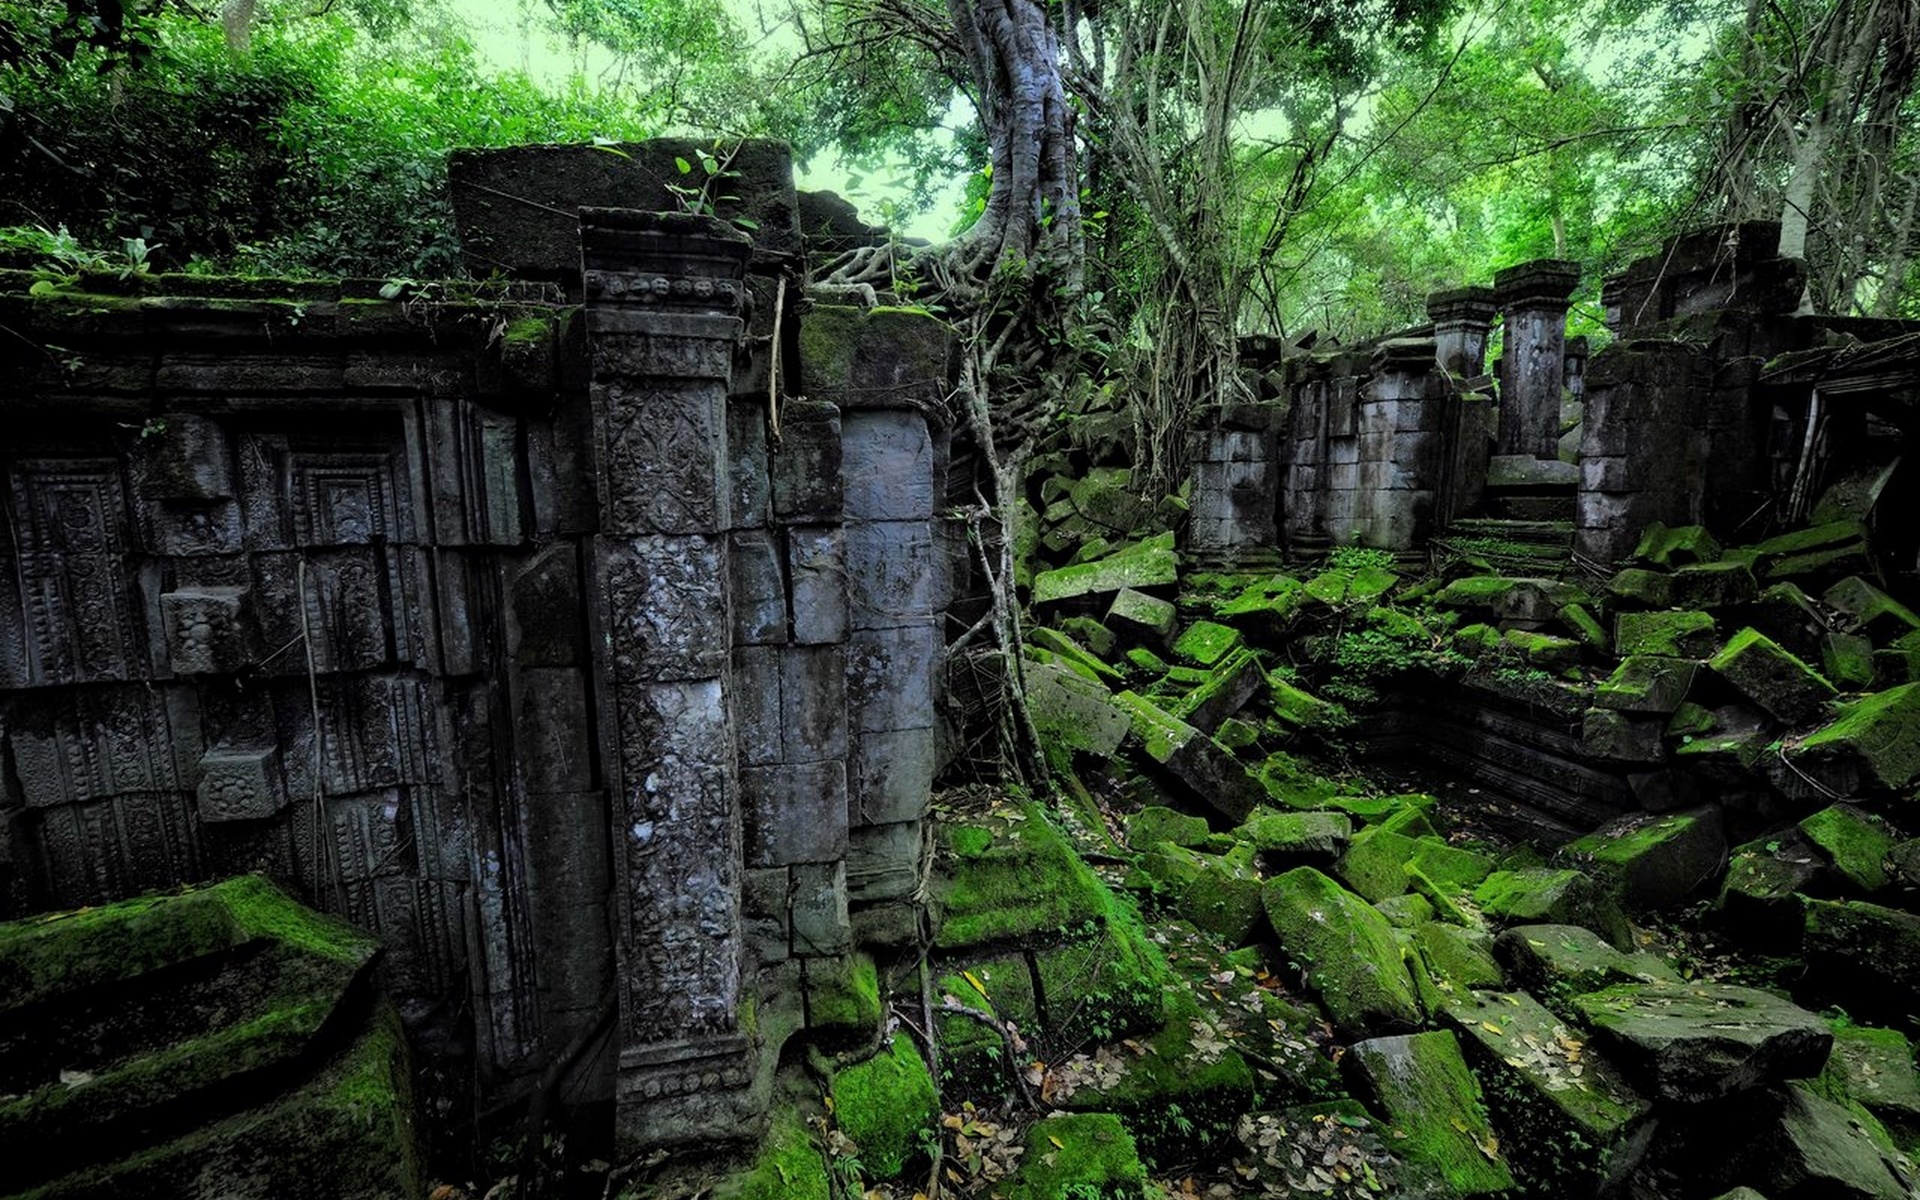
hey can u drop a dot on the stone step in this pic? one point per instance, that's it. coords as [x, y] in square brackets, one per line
[1557, 534]
[1531, 507]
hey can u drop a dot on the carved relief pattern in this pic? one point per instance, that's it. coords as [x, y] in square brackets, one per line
[77, 601]
[344, 499]
[682, 845]
[241, 785]
[662, 459]
[669, 608]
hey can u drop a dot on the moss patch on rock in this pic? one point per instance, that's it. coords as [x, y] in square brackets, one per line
[885, 1104]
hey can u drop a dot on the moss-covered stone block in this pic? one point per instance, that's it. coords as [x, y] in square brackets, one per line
[1296, 838]
[1856, 842]
[1349, 952]
[1079, 1154]
[1868, 953]
[1073, 655]
[1653, 861]
[1647, 683]
[1206, 770]
[1866, 609]
[1678, 546]
[1759, 901]
[1458, 959]
[1073, 714]
[231, 1011]
[1873, 746]
[843, 996]
[1157, 823]
[1140, 615]
[1637, 585]
[1547, 651]
[973, 1055]
[1586, 627]
[1847, 660]
[1012, 878]
[1763, 671]
[1434, 1109]
[1380, 859]
[1874, 1068]
[1152, 563]
[1207, 642]
[1348, 587]
[1549, 896]
[1617, 736]
[1301, 709]
[885, 1104]
[1695, 1042]
[1559, 962]
[1714, 585]
[1227, 688]
[1408, 911]
[1218, 893]
[1574, 1125]
[1669, 634]
[1287, 781]
[1099, 987]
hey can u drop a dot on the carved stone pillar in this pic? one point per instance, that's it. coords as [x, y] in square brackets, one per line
[1534, 297]
[1462, 318]
[663, 296]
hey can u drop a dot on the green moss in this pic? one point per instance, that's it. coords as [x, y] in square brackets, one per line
[1855, 842]
[1082, 1156]
[55, 952]
[843, 995]
[1025, 882]
[1292, 783]
[885, 1105]
[1207, 643]
[972, 1055]
[1107, 984]
[1691, 719]
[1670, 634]
[1560, 897]
[1157, 823]
[1435, 1112]
[1881, 731]
[788, 1167]
[1349, 951]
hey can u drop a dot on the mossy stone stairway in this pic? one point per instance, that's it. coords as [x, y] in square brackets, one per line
[1524, 524]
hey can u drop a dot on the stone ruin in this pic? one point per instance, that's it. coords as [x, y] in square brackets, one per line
[576, 633]
[580, 633]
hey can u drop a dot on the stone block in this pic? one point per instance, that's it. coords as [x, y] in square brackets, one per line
[887, 465]
[241, 785]
[1073, 714]
[1855, 841]
[893, 572]
[666, 607]
[1874, 745]
[890, 776]
[1150, 564]
[1349, 952]
[1640, 586]
[1564, 896]
[890, 674]
[1226, 690]
[794, 813]
[1647, 683]
[1714, 585]
[754, 699]
[817, 574]
[1673, 634]
[750, 497]
[892, 359]
[552, 731]
[806, 463]
[818, 910]
[1207, 770]
[1785, 613]
[1655, 862]
[1760, 669]
[1623, 737]
[883, 862]
[1692, 1042]
[545, 622]
[764, 918]
[208, 630]
[187, 458]
[757, 587]
[813, 703]
[1867, 609]
[1676, 547]
[1422, 1084]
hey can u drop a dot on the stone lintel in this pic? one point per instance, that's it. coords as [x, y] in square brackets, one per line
[1545, 283]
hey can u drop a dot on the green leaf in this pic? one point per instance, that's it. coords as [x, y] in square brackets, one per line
[746, 222]
[686, 168]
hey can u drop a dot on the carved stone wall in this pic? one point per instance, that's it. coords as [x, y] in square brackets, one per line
[570, 648]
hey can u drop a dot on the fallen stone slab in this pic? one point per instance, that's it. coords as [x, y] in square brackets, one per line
[1157, 823]
[1798, 1146]
[1810, 551]
[1872, 746]
[1763, 671]
[1654, 861]
[1458, 959]
[1142, 615]
[1503, 599]
[1588, 1128]
[1853, 946]
[1623, 737]
[1647, 683]
[1714, 585]
[1218, 893]
[1559, 962]
[1874, 1068]
[1866, 609]
[1348, 950]
[1207, 642]
[1637, 585]
[1380, 859]
[1545, 895]
[1435, 1112]
[1677, 546]
[1701, 1041]
[1072, 713]
[1760, 900]
[1207, 771]
[1789, 616]
[1225, 691]
[1855, 841]
[1673, 634]
[1292, 839]
[1152, 563]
